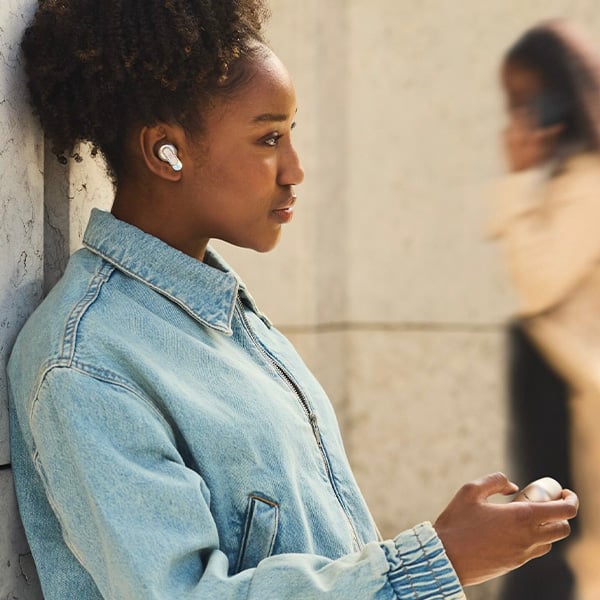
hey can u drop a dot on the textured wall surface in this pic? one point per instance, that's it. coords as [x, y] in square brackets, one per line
[383, 280]
[21, 270]
[33, 251]
[21, 208]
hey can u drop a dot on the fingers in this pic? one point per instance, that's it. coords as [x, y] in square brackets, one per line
[545, 522]
[524, 118]
[553, 131]
[495, 483]
[554, 531]
[556, 510]
[571, 497]
[528, 120]
[484, 539]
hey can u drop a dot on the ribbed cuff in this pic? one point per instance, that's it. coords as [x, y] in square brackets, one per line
[419, 567]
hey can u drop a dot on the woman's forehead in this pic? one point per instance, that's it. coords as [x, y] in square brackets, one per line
[267, 96]
[520, 80]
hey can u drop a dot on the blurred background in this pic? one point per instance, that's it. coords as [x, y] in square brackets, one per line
[384, 280]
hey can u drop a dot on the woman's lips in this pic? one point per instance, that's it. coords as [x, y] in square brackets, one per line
[284, 215]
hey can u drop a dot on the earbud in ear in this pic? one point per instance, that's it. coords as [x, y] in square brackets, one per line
[168, 154]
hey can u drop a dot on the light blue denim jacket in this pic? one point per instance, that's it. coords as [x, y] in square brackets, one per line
[169, 443]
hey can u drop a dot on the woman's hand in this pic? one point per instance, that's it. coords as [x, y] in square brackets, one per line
[527, 145]
[484, 540]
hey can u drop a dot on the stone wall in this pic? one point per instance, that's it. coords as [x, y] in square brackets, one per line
[383, 281]
[21, 269]
[41, 225]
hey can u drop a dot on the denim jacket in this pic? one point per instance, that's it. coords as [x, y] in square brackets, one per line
[169, 443]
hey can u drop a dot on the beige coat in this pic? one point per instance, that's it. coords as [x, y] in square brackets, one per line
[549, 226]
[550, 230]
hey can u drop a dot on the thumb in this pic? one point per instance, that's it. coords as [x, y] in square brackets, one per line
[495, 483]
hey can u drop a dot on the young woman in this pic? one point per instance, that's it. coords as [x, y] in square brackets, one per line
[546, 215]
[167, 440]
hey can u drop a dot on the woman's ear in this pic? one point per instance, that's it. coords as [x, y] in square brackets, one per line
[159, 147]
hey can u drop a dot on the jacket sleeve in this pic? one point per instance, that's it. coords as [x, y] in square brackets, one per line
[139, 521]
[549, 230]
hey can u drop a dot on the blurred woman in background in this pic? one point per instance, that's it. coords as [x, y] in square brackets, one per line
[547, 216]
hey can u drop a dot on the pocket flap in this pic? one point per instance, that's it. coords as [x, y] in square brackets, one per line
[260, 531]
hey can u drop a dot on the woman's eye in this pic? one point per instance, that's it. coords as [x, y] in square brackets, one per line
[272, 139]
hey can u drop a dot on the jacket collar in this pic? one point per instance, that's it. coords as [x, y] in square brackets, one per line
[206, 290]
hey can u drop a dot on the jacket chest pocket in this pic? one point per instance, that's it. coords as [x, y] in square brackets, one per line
[260, 531]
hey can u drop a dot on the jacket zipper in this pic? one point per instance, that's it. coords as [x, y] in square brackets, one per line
[312, 417]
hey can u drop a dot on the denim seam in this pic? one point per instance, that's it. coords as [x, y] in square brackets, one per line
[253, 498]
[81, 368]
[274, 505]
[427, 556]
[407, 576]
[35, 454]
[403, 569]
[95, 285]
[428, 560]
[65, 534]
[245, 532]
[188, 309]
[271, 503]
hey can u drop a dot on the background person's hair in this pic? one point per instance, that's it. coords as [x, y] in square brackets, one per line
[567, 63]
[97, 68]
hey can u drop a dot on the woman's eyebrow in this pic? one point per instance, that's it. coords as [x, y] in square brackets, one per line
[270, 117]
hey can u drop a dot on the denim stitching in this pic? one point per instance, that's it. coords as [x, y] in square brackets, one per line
[245, 533]
[432, 569]
[65, 532]
[254, 498]
[427, 558]
[92, 292]
[276, 528]
[188, 309]
[406, 575]
[106, 379]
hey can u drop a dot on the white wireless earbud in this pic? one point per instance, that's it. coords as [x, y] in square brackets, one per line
[168, 154]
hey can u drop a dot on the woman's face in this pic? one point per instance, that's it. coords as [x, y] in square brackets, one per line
[521, 85]
[529, 138]
[238, 181]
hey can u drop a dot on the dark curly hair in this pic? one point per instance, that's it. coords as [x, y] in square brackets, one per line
[97, 68]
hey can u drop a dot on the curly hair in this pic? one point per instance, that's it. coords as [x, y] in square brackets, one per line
[97, 68]
[568, 63]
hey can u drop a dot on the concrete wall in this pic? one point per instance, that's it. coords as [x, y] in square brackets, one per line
[383, 281]
[40, 227]
[21, 268]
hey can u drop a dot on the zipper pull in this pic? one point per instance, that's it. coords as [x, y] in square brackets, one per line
[315, 426]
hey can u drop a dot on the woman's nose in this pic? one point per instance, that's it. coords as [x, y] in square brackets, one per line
[291, 171]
